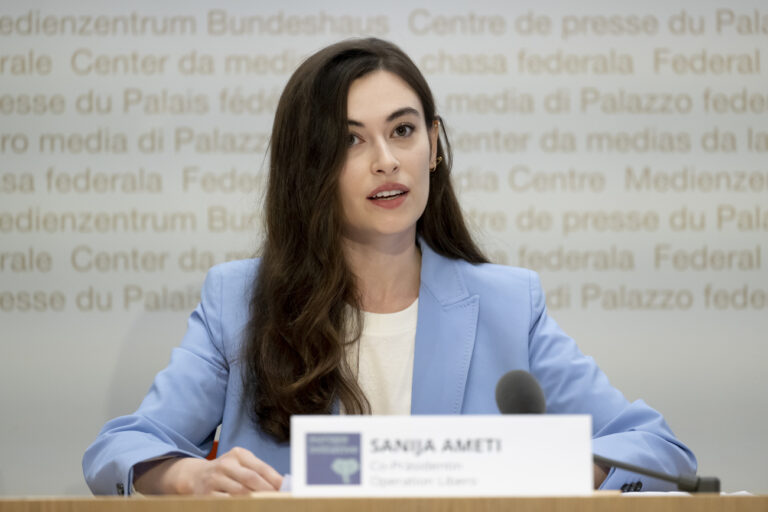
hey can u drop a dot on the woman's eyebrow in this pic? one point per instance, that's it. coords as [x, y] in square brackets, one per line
[394, 115]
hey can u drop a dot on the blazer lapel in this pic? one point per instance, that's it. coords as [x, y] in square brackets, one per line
[445, 336]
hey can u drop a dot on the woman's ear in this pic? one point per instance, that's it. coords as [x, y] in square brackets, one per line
[434, 134]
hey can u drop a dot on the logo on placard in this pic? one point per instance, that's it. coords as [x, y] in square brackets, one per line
[333, 459]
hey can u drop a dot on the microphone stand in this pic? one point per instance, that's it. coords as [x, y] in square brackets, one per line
[684, 483]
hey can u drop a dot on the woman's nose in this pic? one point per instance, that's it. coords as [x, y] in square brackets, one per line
[384, 160]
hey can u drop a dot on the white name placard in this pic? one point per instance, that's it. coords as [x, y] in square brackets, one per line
[521, 455]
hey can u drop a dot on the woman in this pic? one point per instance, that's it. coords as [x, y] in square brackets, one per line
[370, 297]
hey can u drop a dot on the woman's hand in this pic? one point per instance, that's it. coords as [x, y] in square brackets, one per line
[600, 473]
[236, 472]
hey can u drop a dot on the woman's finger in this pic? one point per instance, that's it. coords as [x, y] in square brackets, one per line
[267, 473]
[250, 479]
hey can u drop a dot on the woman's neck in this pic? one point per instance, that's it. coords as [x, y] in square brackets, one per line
[388, 275]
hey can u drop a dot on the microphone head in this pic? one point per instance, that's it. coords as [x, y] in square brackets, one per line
[518, 392]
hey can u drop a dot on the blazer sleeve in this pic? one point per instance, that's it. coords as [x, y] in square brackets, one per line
[179, 415]
[627, 432]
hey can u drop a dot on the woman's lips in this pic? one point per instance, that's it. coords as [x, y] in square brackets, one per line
[389, 202]
[392, 200]
[388, 187]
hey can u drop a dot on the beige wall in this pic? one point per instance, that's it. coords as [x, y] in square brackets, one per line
[618, 148]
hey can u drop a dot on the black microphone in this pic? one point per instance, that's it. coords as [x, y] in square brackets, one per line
[518, 392]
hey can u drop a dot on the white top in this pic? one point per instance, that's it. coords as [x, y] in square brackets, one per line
[383, 359]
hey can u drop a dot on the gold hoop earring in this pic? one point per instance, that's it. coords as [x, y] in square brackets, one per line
[437, 162]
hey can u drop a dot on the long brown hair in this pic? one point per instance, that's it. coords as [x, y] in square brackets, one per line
[294, 352]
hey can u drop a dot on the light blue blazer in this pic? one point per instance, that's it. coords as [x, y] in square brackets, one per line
[475, 323]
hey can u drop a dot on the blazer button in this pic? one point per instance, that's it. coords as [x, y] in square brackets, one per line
[120, 489]
[626, 487]
[638, 485]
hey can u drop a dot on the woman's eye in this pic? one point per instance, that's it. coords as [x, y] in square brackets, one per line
[353, 139]
[403, 130]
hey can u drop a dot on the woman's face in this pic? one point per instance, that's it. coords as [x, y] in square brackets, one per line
[384, 183]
